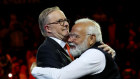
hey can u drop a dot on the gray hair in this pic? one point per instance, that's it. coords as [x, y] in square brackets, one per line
[92, 29]
[43, 18]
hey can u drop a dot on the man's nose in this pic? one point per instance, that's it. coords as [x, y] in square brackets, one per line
[66, 25]
[71, 39]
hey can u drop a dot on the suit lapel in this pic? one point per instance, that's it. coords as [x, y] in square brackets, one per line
[60, 50]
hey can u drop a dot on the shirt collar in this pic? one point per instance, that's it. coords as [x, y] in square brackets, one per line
[60, 42]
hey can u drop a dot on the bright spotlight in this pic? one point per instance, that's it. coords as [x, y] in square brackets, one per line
[10, 75]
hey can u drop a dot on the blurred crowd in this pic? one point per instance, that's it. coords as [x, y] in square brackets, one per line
[18, 46]
[20, 38]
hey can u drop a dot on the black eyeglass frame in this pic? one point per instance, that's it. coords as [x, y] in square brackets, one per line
[60, 21]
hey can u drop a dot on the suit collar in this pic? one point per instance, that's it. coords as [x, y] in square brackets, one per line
[60, 42]
[55, 44]
[57, 47]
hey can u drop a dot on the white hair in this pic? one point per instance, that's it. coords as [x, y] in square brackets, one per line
[92, 29]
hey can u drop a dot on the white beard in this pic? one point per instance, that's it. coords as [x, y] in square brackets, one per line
[79, 49]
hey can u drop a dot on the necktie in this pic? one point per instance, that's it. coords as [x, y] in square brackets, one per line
[68, 49]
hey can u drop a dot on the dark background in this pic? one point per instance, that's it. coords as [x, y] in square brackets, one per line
[20, 35]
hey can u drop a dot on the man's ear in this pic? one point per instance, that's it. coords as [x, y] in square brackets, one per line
[92, 39]
[47, 28]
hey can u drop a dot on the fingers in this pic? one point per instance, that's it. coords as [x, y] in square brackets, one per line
[108, 49]
[105, 47]
[112, 52]
[102, 46]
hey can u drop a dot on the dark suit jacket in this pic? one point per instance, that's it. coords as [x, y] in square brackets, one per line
[51, 54]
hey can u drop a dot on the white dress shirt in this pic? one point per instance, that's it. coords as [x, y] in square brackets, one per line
[91, 62]
[60, 42]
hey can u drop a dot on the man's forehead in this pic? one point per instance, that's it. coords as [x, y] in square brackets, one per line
[84, 24]
[56, 15]
[78, 30]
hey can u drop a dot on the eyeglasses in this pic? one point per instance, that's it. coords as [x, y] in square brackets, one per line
[60, 21]
[75, 36]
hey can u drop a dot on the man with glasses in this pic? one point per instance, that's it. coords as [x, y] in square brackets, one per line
[54, 27]
[94, 63]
